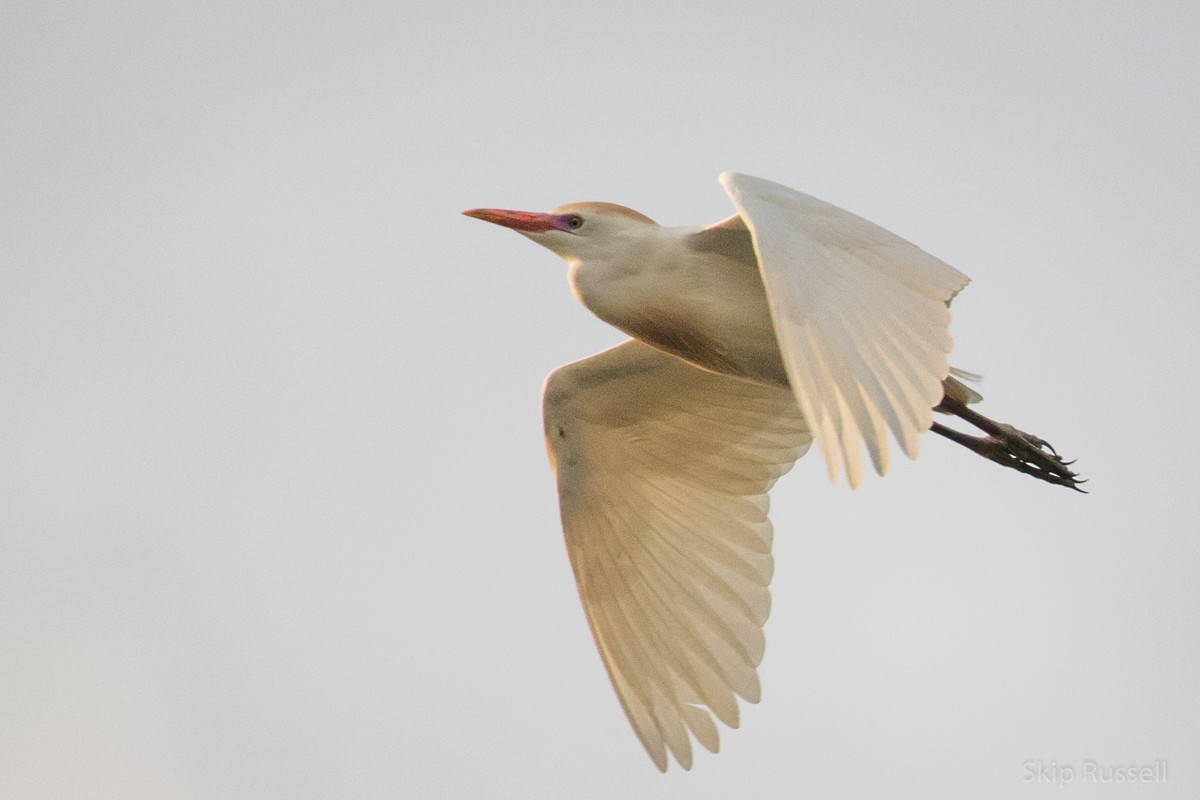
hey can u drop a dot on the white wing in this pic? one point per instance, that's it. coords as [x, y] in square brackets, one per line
[861, 316]
[663, 471]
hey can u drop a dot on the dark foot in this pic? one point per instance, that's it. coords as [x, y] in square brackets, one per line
[1015, 449]
[1006, 445]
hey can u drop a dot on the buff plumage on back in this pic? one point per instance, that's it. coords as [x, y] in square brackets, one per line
[663, 472]
[861, 317]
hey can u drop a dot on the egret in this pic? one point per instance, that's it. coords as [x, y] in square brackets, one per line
[791, 322]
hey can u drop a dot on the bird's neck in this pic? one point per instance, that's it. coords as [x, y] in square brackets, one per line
[709, 309]
[623, 282]
[657, 296]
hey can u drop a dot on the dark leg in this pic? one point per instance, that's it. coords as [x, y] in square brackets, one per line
[1007, 446]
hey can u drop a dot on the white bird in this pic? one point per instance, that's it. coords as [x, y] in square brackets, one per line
[792, 321]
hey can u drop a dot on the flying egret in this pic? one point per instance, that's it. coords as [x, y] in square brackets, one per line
[790, 322]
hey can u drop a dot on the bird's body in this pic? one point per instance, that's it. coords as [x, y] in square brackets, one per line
[789, 323]
[711, 311]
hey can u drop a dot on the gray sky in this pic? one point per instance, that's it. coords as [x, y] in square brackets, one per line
[275, 515]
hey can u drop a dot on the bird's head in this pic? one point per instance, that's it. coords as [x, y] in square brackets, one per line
[578, 231]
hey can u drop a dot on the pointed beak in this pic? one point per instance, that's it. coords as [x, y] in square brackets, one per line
[527, 221]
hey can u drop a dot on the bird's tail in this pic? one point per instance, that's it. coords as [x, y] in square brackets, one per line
[954, 387]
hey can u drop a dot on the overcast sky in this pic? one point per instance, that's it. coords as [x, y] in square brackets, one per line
[275, 515]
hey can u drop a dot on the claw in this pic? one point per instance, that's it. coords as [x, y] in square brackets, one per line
[1010, 447]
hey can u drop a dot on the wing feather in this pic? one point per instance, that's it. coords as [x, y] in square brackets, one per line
[861, 317]
[663, 471]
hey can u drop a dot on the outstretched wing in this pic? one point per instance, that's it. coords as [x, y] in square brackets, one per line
[663, 471]
[861, 316]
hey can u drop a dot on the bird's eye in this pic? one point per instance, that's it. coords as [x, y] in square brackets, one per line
[574, 222]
